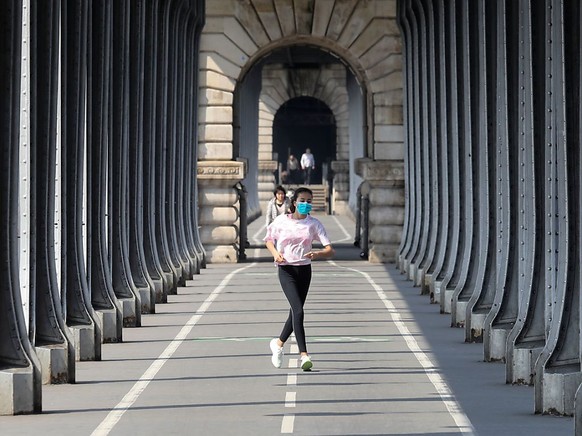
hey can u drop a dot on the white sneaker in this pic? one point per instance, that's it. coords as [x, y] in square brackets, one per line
[277, 357]
[306, 363]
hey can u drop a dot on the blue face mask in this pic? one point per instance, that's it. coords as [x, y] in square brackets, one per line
[303, 208]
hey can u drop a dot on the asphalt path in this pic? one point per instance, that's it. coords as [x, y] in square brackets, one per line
[385, 363]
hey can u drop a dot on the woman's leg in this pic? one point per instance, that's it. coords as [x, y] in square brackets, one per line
[295, 282]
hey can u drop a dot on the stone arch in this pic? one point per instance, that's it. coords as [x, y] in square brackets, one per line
[364, 35]
[327, 85]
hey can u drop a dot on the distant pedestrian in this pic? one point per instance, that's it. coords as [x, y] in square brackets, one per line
[278, 205]
[292, 169]
[307, 165]
[289, 239]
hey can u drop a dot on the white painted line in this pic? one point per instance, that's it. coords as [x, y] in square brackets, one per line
[294, 349]
[455, 410]
[127, 401]
[259, 232]
[343, 229]
[287, 424]
[291, 379]
[256, 253]
[290, 399]
[293, 363]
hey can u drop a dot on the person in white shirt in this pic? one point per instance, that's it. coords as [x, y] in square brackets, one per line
[307, 165]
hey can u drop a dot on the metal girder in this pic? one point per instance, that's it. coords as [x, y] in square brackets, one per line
[481, 282]
[47, 327]
[103, 297]
[163, 280]
[79, 312]
[139, 270]
[122, 279]
[16, 351]
[557, 370]
[503, 313]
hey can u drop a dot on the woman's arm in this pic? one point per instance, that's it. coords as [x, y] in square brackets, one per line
[276, 255]
[326, 253]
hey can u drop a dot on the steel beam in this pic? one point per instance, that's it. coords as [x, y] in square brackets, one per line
[52, 338]
[80, 315]
[20, 376]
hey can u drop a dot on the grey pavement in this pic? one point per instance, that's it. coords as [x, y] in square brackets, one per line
[385, 363]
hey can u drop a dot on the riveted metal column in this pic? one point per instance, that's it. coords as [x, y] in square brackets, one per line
[446, 278]
[80, 315]
[195, 26]
[109, 309]
[408, 121]
[54, 342]
[503, 313]
[20, 373]
[171, 143]
[161, 145]
[443, 125]
[416, 125]
[527, 337]
[481, 281]
[139, 271]
[432, 138]
[150, 187]
[422, 230]
[557, 370]
[123, 284]
[466, 257]
[190, 262]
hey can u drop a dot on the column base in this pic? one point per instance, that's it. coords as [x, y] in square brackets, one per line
[498, 343]
[476, 327]
[54, 363]
[524, 359]
[17, 391]
[108, 320]
[560, 390]
[130, 318]
[84, 336]
[221, 254]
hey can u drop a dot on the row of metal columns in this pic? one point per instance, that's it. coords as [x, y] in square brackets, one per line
[492, 219]
[112, 226]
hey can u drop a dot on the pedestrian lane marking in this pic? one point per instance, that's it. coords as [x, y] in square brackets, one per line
[294, 349]
[431, 370]
[290, 398]
[287, 424]
[113, 417]
[293, 363]
[343, 229]
[291, 379]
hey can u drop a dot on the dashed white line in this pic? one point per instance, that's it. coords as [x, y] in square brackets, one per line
[291, 379]
[293, 363]
[287, 424]
[290, 398]
[127, 401]
[294, 349]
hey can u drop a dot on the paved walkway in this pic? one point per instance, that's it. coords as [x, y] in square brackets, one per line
[385, 363]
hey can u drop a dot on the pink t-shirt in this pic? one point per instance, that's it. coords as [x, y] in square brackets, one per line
[293, 238]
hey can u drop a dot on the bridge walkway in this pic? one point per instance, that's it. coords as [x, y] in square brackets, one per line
[385, 363]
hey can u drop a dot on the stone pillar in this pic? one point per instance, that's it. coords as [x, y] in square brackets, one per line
[386, 216]
[218, 213]
[341, 187]
[267, 182]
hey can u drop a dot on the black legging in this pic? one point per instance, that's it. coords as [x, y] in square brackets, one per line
[295, 282]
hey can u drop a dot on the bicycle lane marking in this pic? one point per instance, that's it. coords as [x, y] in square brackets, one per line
[454, 408]
[131, 397]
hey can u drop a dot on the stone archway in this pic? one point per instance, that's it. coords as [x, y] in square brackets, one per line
[237, 35]
[280, 85]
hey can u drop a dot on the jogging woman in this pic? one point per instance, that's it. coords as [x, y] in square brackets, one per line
[289, 239]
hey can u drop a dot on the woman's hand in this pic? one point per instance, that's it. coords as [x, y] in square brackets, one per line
[311, 255]
[278, 257]
[327, 252]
